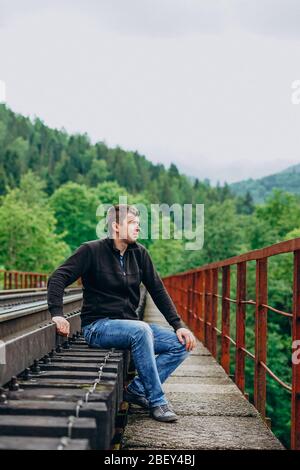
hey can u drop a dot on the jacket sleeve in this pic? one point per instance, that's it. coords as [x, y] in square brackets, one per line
[67, 273]
[158, 292]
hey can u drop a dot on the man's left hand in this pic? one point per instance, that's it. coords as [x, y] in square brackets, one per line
[185, 335]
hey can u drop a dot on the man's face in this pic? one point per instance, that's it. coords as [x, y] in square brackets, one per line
[129, 228]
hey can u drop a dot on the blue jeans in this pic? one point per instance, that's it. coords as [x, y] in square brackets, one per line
[145, 340]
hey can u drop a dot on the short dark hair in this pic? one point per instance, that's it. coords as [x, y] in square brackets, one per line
[117, 213]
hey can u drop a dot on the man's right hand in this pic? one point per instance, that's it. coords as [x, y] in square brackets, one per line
[62, 326]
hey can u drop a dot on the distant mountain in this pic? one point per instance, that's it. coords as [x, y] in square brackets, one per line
[287, 180]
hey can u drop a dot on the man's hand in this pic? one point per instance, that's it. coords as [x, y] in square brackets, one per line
[62, 326]
[187, 335]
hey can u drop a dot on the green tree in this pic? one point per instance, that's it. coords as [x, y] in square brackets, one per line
[27, 233]
[98, 172]
[75, 208]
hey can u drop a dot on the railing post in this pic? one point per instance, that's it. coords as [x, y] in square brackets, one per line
[182, 297]
[225, 342]
[180, 281]
[207, 309]
[177, 288]
[295, 421]
[193, 302]
[202, 306]
[240, 326]
[199, 306]
[189, 299]
[16, 280]
[261, 335]
[186, 297]
[214, 310]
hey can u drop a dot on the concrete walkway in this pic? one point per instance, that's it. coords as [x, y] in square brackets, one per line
[213, 413]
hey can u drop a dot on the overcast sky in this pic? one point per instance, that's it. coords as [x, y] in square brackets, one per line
[203, 84]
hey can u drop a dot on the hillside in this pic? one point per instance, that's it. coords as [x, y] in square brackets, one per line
[58, 157]
[287, 180]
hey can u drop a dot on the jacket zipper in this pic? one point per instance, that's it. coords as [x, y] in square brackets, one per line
[124, 274]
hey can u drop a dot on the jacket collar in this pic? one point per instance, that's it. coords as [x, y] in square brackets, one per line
[130, 246]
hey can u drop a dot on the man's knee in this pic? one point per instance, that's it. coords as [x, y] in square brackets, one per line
[142, 329]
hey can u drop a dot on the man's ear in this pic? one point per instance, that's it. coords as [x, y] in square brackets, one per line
[115, 226]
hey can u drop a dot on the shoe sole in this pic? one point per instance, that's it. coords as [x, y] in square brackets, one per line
[164, 420]
[138, 404]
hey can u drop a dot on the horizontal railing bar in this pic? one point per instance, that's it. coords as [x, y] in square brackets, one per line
[276, 249]
[281, 312]
[252, 302]
[230, 339]
[275, 377]
[248, 353]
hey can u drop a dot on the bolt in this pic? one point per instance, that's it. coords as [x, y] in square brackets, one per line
[3, 396]
[46, 359]
[13, 384]
[36, 368]
[26, 374]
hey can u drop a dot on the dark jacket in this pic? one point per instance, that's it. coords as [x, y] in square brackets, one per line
[108, 291]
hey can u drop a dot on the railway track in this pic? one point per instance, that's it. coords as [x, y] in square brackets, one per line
[57, 392]
[9, 299]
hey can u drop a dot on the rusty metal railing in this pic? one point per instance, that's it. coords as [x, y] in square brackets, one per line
[11, 279]
[195, 294]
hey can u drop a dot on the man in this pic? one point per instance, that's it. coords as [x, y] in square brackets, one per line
[111, 270]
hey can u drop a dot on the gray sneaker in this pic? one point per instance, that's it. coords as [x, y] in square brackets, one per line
[163, 413]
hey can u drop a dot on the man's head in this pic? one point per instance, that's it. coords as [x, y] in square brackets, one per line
[123, 222]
